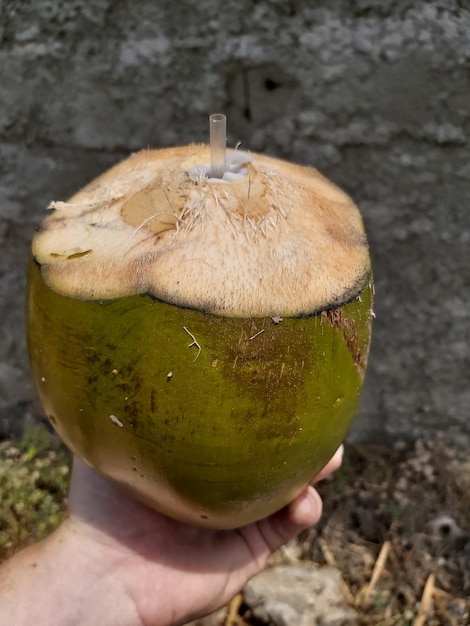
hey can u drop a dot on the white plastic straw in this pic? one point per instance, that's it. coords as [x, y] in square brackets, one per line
[218, 138]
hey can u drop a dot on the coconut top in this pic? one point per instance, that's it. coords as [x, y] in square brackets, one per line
[270, 238]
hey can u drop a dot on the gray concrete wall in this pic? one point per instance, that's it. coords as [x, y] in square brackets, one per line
[374, 93]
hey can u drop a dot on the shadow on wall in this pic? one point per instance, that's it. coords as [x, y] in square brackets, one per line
[257, 96]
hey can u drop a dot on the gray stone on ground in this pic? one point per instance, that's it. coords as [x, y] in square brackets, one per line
[299, 596]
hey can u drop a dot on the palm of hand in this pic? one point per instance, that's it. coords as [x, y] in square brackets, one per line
[173, 572]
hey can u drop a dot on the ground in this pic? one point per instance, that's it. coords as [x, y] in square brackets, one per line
[396, 524]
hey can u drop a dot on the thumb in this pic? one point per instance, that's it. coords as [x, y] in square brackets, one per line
[284, 525]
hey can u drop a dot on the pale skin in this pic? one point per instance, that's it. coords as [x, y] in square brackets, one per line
[116, 562]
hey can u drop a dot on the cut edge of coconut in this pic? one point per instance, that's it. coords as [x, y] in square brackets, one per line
[274, 238]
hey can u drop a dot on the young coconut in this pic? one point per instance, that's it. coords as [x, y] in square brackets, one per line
[202, 340]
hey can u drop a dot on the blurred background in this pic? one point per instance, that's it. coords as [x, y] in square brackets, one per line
[374, 94]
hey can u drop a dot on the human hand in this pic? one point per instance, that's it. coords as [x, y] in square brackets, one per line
[165, 572]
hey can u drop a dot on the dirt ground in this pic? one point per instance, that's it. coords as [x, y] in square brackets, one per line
[396, 524]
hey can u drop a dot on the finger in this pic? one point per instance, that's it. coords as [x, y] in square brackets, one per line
[333, 464]
[305, 510]
[284, 525]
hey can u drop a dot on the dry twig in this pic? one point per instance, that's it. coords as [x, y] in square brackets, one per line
[233, 617]
[426, 601]
[376, 574]
[330, 560]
